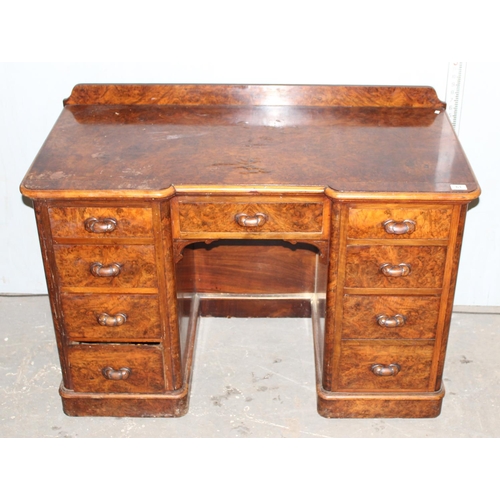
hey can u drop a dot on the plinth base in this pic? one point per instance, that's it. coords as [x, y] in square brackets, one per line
[381, 405]
[80, 404]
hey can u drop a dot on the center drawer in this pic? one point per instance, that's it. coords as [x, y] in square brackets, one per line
[269, 217]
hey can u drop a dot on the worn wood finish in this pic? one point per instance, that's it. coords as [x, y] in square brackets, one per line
[365, 145]
[78, 404]
[158, 204]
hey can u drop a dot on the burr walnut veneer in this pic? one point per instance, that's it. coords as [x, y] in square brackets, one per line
[158, 204]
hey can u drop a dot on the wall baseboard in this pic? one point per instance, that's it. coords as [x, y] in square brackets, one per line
[476, 309]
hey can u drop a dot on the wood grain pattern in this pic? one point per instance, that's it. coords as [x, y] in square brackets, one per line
[86, 362]
[49, 265]
[69, 222]
[255, 95]
[138, 267]
[231, 266]
[373, 405]
[81, 314]
[78, 404]
[431, 223]
[255, 308]
[358, 357]
[361, 312]
[450, 280]
[184, 194]
[143, 150]
[363, 266]
[175, 375]
[206, 219]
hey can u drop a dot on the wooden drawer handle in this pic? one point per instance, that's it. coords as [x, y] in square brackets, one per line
[256, 220]
[101, 271]
[386, 370]
[105, 319]
[94, 225]
[393, 271]
[121, 374]
[391, 322]
[403, 227]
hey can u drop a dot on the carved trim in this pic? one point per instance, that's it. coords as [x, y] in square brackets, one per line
[321, 245]
[180, 245]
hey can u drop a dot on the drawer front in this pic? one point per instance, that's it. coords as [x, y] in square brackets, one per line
[399, 223]
[390, 317]
[383, 366]
[101, 222]
[242, 219]
[106, 265]
[116, 368]
[395, 266]
[118, 318]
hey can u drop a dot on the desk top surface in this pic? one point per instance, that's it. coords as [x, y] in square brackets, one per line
[141, 139]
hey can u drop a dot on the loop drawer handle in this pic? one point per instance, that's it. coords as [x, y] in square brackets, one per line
[121, 374]
[105, 319]
[101, 271]
[257, 220]
[395, 271]
[391, 322]
[386, 370]
[402, 227]
[98, 226]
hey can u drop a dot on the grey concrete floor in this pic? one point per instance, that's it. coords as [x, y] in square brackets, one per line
[252, 378]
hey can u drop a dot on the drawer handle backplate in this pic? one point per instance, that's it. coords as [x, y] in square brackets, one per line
[257, 220]
[402, 227]
[98, 226]
[395, 271]
[386, 370]
[101, 271]
[105, 319]
[121, 374]
[391, 322]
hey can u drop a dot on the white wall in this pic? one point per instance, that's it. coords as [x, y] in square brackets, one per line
[479, 133]
[31, 99]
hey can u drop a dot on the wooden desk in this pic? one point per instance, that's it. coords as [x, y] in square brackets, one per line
[158, 204]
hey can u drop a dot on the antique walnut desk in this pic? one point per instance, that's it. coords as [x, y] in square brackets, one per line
[158, 204]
